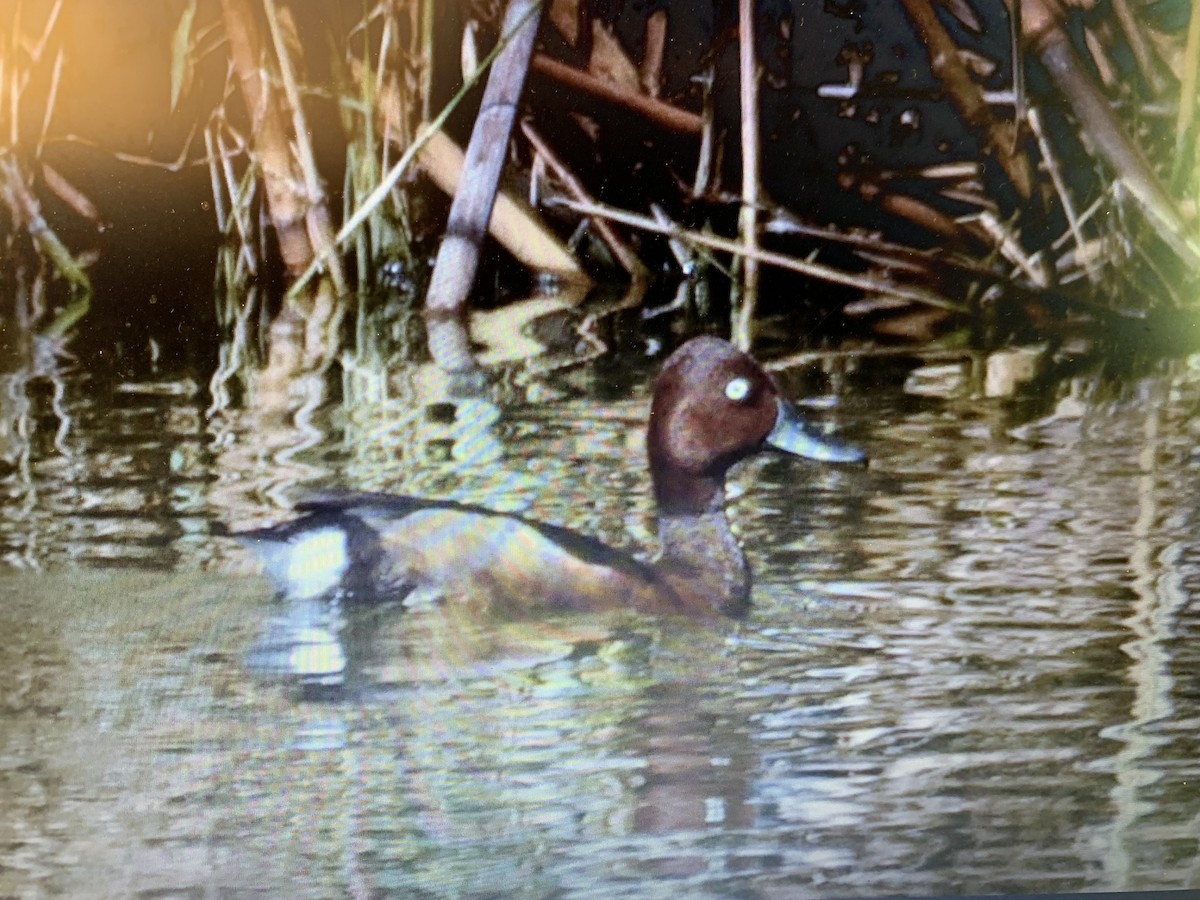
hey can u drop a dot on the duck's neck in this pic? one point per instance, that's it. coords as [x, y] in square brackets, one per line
[704, 558]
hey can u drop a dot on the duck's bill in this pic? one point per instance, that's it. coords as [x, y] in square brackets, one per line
[793, 435]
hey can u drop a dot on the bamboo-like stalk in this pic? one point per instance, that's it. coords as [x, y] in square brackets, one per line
[746, 302]
[458, 256]
[302, 338]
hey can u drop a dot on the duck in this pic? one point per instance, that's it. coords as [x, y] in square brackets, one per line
[713, 406]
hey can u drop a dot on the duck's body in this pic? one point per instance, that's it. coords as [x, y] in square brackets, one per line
[380, 545]
[713, 406]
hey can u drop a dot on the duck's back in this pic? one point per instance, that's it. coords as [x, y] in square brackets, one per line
[380, 546]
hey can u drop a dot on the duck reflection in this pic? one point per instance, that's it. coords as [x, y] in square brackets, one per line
[484, 712]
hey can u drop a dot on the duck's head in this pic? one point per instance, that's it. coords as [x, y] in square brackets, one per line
[714, 406]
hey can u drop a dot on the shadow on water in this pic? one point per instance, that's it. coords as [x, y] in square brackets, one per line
[968, 669]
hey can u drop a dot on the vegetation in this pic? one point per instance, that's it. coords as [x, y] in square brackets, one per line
[1065, 186]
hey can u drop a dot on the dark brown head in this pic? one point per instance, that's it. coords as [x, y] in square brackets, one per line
[714, 406]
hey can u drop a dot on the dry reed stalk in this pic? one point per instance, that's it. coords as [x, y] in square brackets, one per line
[320, 231]
[239, 195]
[514, 224]
[874, 249]
[225, 272]
[364, 152]
[1187, 88]
[704, 161]
[1060, 185]
[1008, 244]
[948, 66]
[568, 17]
[1112, 143]
[746, 302]
[51, 98]
[660, 112]
[685, 257]
[214, 179]
[233, 353]
[654, 48]
[928, 217]
[925, 354]
[18, 64]
[972, 196]
[1146, 60]
[620, 249]
[283, 183]
[736, 248]
[79, 202]
[303, 337]
[391, 231]
[426, 58]
[903, 206]
[14, 80]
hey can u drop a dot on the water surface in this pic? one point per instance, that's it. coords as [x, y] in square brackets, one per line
[970, 668]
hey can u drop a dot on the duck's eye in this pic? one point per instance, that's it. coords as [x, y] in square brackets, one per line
[737, 390]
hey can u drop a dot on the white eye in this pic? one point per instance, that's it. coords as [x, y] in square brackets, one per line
[737, 390]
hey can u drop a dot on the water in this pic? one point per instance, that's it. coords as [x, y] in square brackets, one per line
[970, 668]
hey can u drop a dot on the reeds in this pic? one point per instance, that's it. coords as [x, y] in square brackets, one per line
[1106, 152]
[34, 260]
[32, 248]
[1126, 244]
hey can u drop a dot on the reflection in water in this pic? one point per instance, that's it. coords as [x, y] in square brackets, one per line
[971, 669]
[1150, 623]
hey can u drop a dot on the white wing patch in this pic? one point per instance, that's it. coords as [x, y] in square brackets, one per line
[309, 566]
